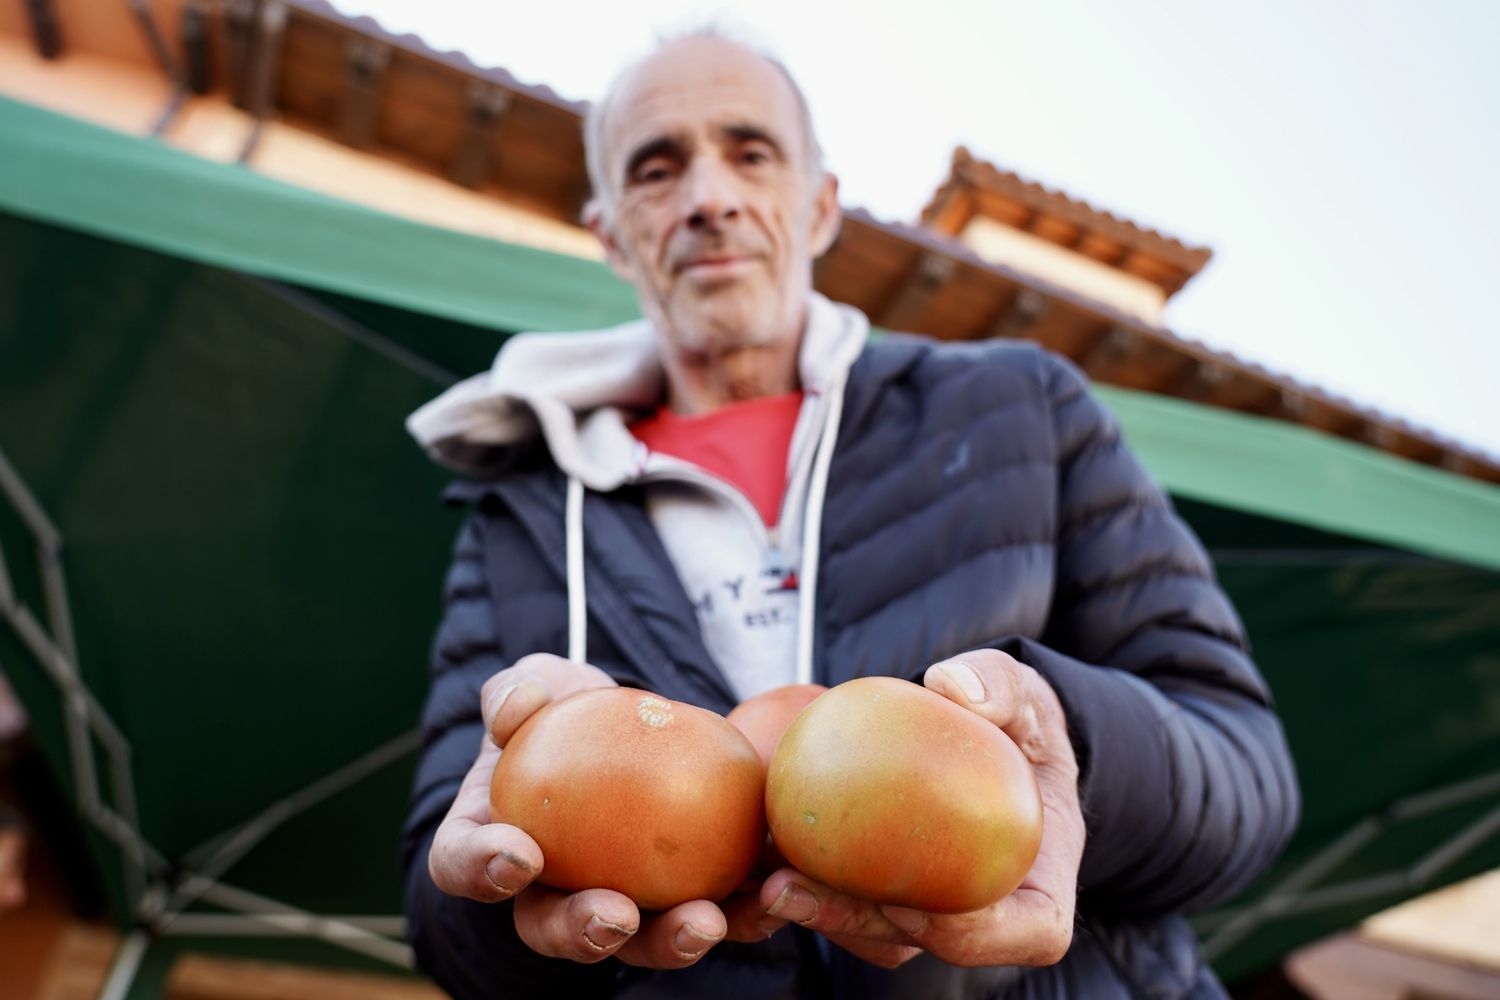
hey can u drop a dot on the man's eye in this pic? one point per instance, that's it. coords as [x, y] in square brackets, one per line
[653, 173]
[754, 157]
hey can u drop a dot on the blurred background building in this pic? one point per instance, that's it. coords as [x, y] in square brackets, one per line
[239, 240]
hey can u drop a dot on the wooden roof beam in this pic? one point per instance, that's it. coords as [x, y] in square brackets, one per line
[239, 40]
[194, 34]
[165, 60]
[1453, 461]
[365, 62]
[1203, 379]
[1112, 347]
[46, 34]
[908, 306]
[1330, 416]
[1101, 248]
[1291, 405]
[143, 17]
[1024, 311]
[268, 26]
[1378, 435]
[473, 161]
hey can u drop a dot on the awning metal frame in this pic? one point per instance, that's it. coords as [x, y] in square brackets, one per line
[161, 889]
[1299, 893]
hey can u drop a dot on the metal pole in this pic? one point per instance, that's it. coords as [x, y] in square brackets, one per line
[127, 963]
[212, 859]
[237, 925]
[294, 920]
[410, 360]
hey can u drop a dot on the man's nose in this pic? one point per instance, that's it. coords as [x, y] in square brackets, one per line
[713, 197]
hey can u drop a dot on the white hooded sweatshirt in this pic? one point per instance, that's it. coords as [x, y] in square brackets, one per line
[753, 587]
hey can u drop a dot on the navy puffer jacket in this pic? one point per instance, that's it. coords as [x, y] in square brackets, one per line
[979, 496]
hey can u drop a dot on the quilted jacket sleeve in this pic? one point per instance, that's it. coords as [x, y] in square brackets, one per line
[470, 949]
[1186, 781]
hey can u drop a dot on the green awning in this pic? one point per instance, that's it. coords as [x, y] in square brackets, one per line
[1290, 473]
[70, 173]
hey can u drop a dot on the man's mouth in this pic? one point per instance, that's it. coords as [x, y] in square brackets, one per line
[714, 265]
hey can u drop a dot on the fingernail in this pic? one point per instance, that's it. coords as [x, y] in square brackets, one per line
[963, 677]
[795, 904]
[497, 702]
[499, 872]
[504, 867]
[910, 921]
[690, 942]
[603, 935]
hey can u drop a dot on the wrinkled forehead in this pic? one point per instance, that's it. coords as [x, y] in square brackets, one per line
[696, 85]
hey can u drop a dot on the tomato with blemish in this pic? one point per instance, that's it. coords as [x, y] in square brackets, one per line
[624, 790]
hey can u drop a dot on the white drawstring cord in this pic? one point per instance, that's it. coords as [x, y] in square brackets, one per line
[812, 531]
[577, 608]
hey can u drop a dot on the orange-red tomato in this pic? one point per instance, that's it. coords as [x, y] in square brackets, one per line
[895, 794]
[624, 790]
[766, 716]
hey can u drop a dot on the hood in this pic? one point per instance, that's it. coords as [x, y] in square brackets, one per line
[570, 388]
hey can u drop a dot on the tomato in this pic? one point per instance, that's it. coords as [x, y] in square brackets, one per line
[891, 792]
[765, 717]
[624, 790]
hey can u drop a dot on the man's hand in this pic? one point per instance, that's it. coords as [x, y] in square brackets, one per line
[489, 862]
[1031, 926]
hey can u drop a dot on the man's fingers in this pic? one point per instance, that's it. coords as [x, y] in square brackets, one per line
[794, 897]
[484, 861]
[1009, 694]
[507, 702]
[584, 926]
[887, 956]
[853, 924]
[1028, 928]
[747, 917]
[473, 857]
[597, 923]
[985, 680]
[513, 695]
[676, 938]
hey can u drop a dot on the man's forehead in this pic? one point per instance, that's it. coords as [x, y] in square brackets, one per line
[700, 79]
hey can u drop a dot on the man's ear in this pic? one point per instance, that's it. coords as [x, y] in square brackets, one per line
[594, 219]
[828, 215]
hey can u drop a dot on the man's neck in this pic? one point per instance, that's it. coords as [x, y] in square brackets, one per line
[700, 383]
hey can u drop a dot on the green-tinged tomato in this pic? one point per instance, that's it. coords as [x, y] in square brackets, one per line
[891, 792]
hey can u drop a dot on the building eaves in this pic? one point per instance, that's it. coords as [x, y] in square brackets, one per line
[416, 45]
[970, 171]
[905, 277]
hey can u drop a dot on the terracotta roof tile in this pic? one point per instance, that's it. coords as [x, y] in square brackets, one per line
[967, 169]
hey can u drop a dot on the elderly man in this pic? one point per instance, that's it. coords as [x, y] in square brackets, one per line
[742, 491]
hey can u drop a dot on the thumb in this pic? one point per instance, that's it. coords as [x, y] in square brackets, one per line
[1003, 691]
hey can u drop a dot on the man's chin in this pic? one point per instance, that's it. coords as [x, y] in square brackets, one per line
[724, 323]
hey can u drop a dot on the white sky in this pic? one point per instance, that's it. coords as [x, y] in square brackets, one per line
[1341, 157]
